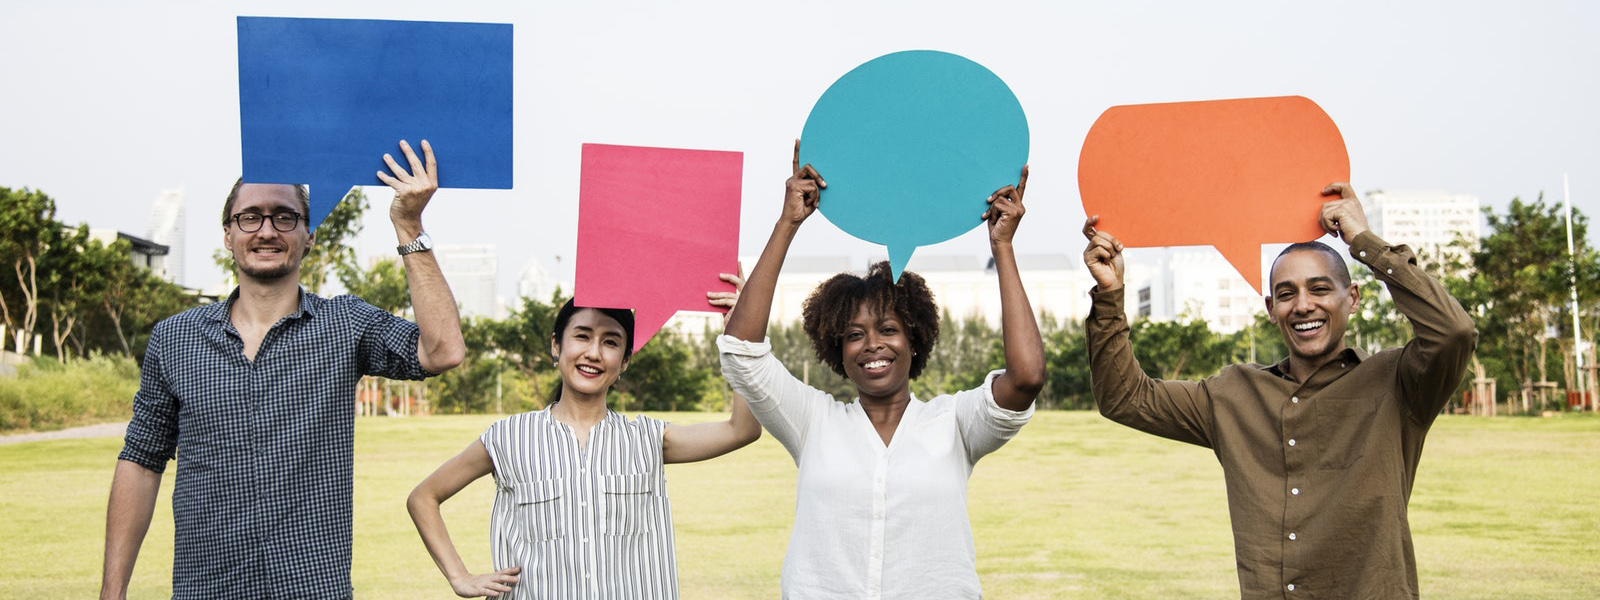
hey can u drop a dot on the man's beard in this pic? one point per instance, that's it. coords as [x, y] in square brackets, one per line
[278, 271]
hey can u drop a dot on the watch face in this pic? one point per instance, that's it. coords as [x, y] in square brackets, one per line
[424, 241]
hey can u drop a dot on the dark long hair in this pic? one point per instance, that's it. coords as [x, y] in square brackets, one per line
[623, 316]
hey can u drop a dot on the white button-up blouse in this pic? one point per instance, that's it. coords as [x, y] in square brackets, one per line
[874, 521]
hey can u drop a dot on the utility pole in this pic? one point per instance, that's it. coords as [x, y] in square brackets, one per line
[1572, 269]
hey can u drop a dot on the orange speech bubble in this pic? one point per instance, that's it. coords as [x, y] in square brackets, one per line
[1234, 174]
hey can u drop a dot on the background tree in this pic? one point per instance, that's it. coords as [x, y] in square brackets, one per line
[1067, 379]
[1377, 324]
[664, 375]
[27, 218]
[69, 268]
[384, 285]
[1183, 348]
[1521, 281]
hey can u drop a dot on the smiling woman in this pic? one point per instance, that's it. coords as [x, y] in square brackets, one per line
[581, 496]
[881, 508]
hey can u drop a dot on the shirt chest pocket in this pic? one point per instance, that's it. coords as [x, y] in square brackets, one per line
[1343, 426]
[540, 512]
[630, 503]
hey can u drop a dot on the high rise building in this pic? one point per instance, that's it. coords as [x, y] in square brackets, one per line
[1194, 283]
[471, 270]
[167, 229]
[1428, 221]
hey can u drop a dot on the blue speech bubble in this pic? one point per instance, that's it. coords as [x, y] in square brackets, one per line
[911, 145]
[322, 100]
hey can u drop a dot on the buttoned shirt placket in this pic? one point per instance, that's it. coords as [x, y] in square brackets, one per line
[588, 487]
[880, 499]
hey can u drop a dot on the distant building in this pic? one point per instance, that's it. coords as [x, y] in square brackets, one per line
[536, 283]
[1428, 221]
[167, 228]
[471, 269]
[1196, 283]
[145, 253]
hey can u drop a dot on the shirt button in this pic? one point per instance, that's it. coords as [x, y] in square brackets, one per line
[1295, 399]
[1291, 536]
[1291, 587]
[586, 540]
[1295, 491]
[584, 504]
[1389, 271]
[1291, 441]
[1363, 255]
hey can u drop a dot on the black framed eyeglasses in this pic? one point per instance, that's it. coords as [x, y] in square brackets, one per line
[249, 222]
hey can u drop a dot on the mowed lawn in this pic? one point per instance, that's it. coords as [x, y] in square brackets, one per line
[1075, 507]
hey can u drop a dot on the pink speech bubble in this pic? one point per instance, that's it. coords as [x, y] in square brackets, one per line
[655, 228]
[1234, 174]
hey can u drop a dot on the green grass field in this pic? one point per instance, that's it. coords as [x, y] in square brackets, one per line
[1076, 507]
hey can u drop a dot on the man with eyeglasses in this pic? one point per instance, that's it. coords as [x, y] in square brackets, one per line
[255, 397]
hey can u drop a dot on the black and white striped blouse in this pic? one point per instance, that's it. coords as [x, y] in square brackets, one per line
[590, 523]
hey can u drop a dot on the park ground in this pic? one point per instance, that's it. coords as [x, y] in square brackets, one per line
[1075, 507]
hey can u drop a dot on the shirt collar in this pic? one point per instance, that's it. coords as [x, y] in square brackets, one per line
[309, 303]
[1349, 355]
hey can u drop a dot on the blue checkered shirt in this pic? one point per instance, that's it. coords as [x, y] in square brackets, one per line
[261, 505]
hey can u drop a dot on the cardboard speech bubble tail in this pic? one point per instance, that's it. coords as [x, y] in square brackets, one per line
[325, 196]
[646, 323]
[899, 256]
[1245, 256]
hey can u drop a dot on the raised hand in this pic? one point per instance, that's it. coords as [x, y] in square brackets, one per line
[1005, 210]
[412, 189]
[1103, 256]
[802, 191]
[1343, 218]
[728, 299]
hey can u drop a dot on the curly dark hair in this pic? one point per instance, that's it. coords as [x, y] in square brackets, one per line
[830, 308]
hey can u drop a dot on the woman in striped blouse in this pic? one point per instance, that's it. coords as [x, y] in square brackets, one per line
[581, 506]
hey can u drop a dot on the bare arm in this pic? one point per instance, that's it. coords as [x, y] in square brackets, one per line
[133, 501]
[440, 347]
[1024, 349]
[801, 194]
[423, 504]
[689, 443]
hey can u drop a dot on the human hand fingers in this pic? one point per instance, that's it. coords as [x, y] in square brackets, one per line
[1341, 189]
[810, 172]
[411, 158]
[796, 168]
[1088, 226]
[394, 167]
[1022, 184]
[432, 163]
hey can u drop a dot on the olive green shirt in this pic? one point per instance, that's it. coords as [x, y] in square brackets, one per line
[1318, 473]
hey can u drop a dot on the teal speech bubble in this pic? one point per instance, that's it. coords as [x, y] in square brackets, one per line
[911, 145]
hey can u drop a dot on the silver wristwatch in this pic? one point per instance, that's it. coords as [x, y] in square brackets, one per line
[423, 243]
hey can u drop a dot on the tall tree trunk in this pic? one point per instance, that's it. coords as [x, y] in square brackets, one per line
[116, 323]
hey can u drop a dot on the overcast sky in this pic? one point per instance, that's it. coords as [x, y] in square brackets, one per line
[105, 104]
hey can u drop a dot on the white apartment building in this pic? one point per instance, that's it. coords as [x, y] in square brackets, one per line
[1427, 220]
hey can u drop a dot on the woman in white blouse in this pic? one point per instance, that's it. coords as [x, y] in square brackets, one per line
[881, 505]
[581, 507]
